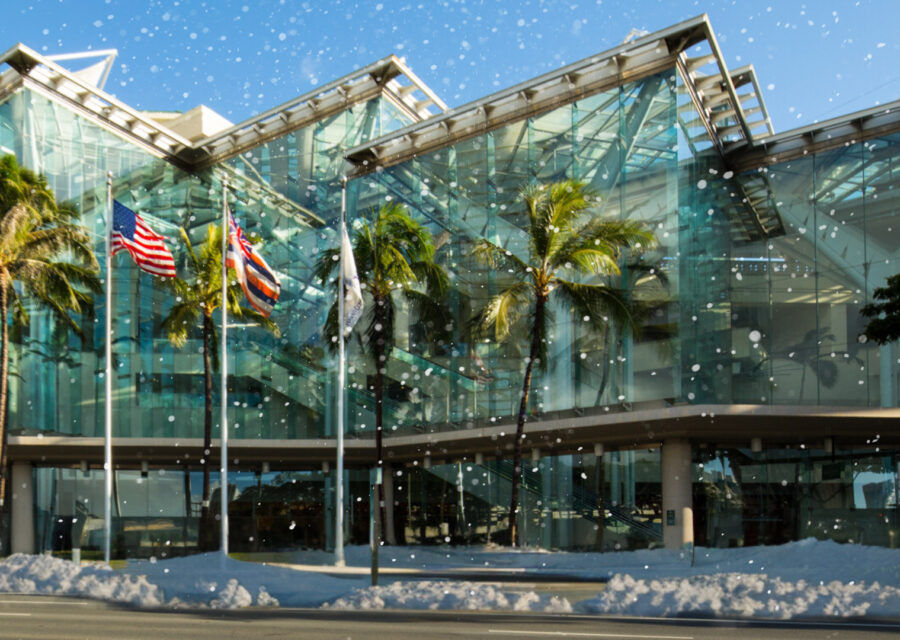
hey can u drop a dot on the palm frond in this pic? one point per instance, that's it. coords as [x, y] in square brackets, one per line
[252, 315]
[534, 197]
[189, 250]
[604, 236]
[15, 224]
[327, 263]
[394, 254]
[567, 200]
[596, 304]
[330, 330]
[21, 317]
[498, 258]
[395, 267]
[434, 276]
[592, 261]
[432, 314]
[198, 298]
[182, 320]
[504, 310]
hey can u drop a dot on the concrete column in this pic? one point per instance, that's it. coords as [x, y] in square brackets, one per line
[678, 512]
[22, 513]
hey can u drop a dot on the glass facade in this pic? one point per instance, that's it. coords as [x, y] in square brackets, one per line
[623, 144]
[743, 498]
[584, 502]
[733, 317]
[157, 513]
[796, 330]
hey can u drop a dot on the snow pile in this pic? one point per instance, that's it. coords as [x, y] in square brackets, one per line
[742, 595]
[22, 573]
[209, 580]
[803, 579]
[448, 595]
[197, 581]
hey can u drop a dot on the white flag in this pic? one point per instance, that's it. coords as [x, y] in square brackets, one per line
[353, 301]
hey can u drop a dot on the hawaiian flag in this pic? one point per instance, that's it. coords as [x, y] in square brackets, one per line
[259, 282]
[130, 233]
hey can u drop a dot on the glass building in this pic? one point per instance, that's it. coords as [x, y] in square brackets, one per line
[745, 408]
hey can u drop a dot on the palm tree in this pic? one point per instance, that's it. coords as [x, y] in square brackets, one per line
[394, 255]
[48, 255]
[561, 245]
[196, 301]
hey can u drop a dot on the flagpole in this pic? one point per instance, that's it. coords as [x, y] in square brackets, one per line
[223, 367]
[107, 379]
[339, 471]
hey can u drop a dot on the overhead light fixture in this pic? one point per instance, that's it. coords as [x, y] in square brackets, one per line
[756, 445]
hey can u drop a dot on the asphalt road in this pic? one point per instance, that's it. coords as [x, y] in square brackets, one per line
[38, 617]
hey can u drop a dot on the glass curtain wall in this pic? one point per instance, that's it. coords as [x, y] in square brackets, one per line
[287, 194]
[567, 502]
[156, 513]
[623, 144]
[280, 386]
[57, 382]
[743, 498]
[796, 330]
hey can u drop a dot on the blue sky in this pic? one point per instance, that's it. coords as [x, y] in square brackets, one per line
[816, 59]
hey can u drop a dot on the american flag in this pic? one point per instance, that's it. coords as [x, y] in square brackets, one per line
[131, 234]
[260, 284]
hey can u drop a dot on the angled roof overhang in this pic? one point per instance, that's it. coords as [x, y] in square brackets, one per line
[719, 95]
[388, 77]
[837, 132]
[38, 73]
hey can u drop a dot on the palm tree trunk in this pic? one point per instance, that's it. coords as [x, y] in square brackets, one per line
[537, 335]
[4, 385]
[380, 364]
[205, 533]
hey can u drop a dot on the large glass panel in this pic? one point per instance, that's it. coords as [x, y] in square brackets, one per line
[566, 502]
[818, 275]
[743, 498]
[157, 513]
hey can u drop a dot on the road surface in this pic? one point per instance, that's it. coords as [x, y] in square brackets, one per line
[46, 617]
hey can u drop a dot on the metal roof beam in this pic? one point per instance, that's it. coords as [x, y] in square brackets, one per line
[855, 127]
[627, 63]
